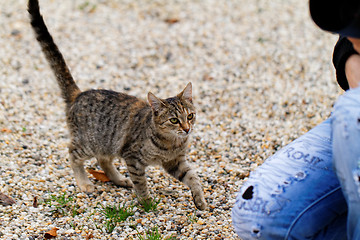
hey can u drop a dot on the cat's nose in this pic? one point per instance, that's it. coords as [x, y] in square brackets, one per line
[185, 127]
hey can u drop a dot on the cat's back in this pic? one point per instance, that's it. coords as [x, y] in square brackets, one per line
[105, 102]
[102, 118]
[102, 96]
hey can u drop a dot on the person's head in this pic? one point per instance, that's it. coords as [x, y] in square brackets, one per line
[338, 16]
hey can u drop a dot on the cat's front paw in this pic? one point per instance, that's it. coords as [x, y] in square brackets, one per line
[200, 202]
[124, 182]
[88, 188]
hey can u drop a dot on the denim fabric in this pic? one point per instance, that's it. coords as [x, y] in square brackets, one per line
[296, 194]
[346, 154]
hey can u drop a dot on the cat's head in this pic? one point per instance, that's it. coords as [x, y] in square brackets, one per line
[174, 116]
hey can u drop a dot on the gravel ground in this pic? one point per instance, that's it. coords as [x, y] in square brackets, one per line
[261, 73]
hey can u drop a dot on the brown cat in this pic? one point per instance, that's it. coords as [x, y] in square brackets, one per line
[106, 125]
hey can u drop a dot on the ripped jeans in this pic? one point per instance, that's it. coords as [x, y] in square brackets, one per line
[310, 188]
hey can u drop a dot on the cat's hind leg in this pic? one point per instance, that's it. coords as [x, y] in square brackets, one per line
[82, 180]
[106, 163]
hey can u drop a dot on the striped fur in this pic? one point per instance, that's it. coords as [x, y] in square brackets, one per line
[106, 125]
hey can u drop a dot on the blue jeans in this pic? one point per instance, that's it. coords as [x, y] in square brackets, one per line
[310, 188]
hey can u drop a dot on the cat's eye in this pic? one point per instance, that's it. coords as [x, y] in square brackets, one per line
[174, 120]
[190, 116]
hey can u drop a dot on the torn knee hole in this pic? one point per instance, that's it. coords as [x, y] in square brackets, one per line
[255, 231]
[248, 194]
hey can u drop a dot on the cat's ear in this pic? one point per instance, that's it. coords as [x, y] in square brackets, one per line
[155, 102]
[187, 93]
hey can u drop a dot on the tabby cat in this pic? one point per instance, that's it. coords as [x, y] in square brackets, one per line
[105, 124]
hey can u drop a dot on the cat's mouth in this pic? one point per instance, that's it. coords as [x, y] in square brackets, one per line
[184, 133]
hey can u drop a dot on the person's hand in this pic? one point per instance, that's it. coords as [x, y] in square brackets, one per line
[352, 65]
[356, 43]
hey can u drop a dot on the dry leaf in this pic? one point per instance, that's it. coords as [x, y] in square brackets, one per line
[6, 130]
[99, 175]
[35, 202]
[89, 236]
[171, 20]
[207, 77]
[6, 200]
[51, 234]
[26, 134]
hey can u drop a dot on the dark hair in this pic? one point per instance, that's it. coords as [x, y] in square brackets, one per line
[337, 16]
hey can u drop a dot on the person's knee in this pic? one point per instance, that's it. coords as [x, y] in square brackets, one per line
[349, 100]
[250, 217]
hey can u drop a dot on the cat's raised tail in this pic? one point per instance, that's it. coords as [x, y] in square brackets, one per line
[69, 89]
